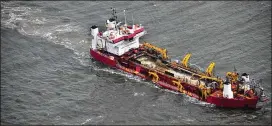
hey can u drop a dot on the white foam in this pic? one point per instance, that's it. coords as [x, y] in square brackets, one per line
[32, 25]
[87, 120]
[190, 119]
[139, 94]
[57, 118]
[198, 102]
[24, 19]
[16, 14]
[119, 72]
[94, 119]
[191, 99]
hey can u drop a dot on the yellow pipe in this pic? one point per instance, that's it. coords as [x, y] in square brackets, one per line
[220, 81]
[203, 90]
[180, 87]
[155, 76]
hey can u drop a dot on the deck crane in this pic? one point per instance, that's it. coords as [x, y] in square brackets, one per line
[163, 52]
[186, 59]
[209, 70]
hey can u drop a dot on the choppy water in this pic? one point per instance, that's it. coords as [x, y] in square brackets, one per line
[48, 77]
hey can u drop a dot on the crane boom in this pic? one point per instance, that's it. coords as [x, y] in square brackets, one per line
[209, 70]
[160, 50]
[186, 59]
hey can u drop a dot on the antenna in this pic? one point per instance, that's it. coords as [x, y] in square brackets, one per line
[133, 27]
[234, 69]
[132, 20]
[114, 13]
[125, 18]
[115, 17]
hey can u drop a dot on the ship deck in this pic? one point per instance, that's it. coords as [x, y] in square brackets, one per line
[160, 67]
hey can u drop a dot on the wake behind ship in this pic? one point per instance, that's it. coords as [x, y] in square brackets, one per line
[119, 47]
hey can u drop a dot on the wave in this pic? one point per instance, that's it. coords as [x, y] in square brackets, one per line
[30, 21]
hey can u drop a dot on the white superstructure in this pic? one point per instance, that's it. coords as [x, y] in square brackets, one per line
[246, 84]
[117, 39]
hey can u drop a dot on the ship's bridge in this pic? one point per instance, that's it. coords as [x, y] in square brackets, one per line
[117, 39]
[120, 41]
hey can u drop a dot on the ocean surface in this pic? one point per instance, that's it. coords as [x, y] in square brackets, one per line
[48, 76]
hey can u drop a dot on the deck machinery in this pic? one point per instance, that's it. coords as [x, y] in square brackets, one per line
[119, 47]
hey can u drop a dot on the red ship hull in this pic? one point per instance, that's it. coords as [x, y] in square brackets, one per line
[102, 58]
[233, 102]
[166, 82]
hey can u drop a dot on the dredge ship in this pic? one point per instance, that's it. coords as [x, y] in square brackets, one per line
[119, 47]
